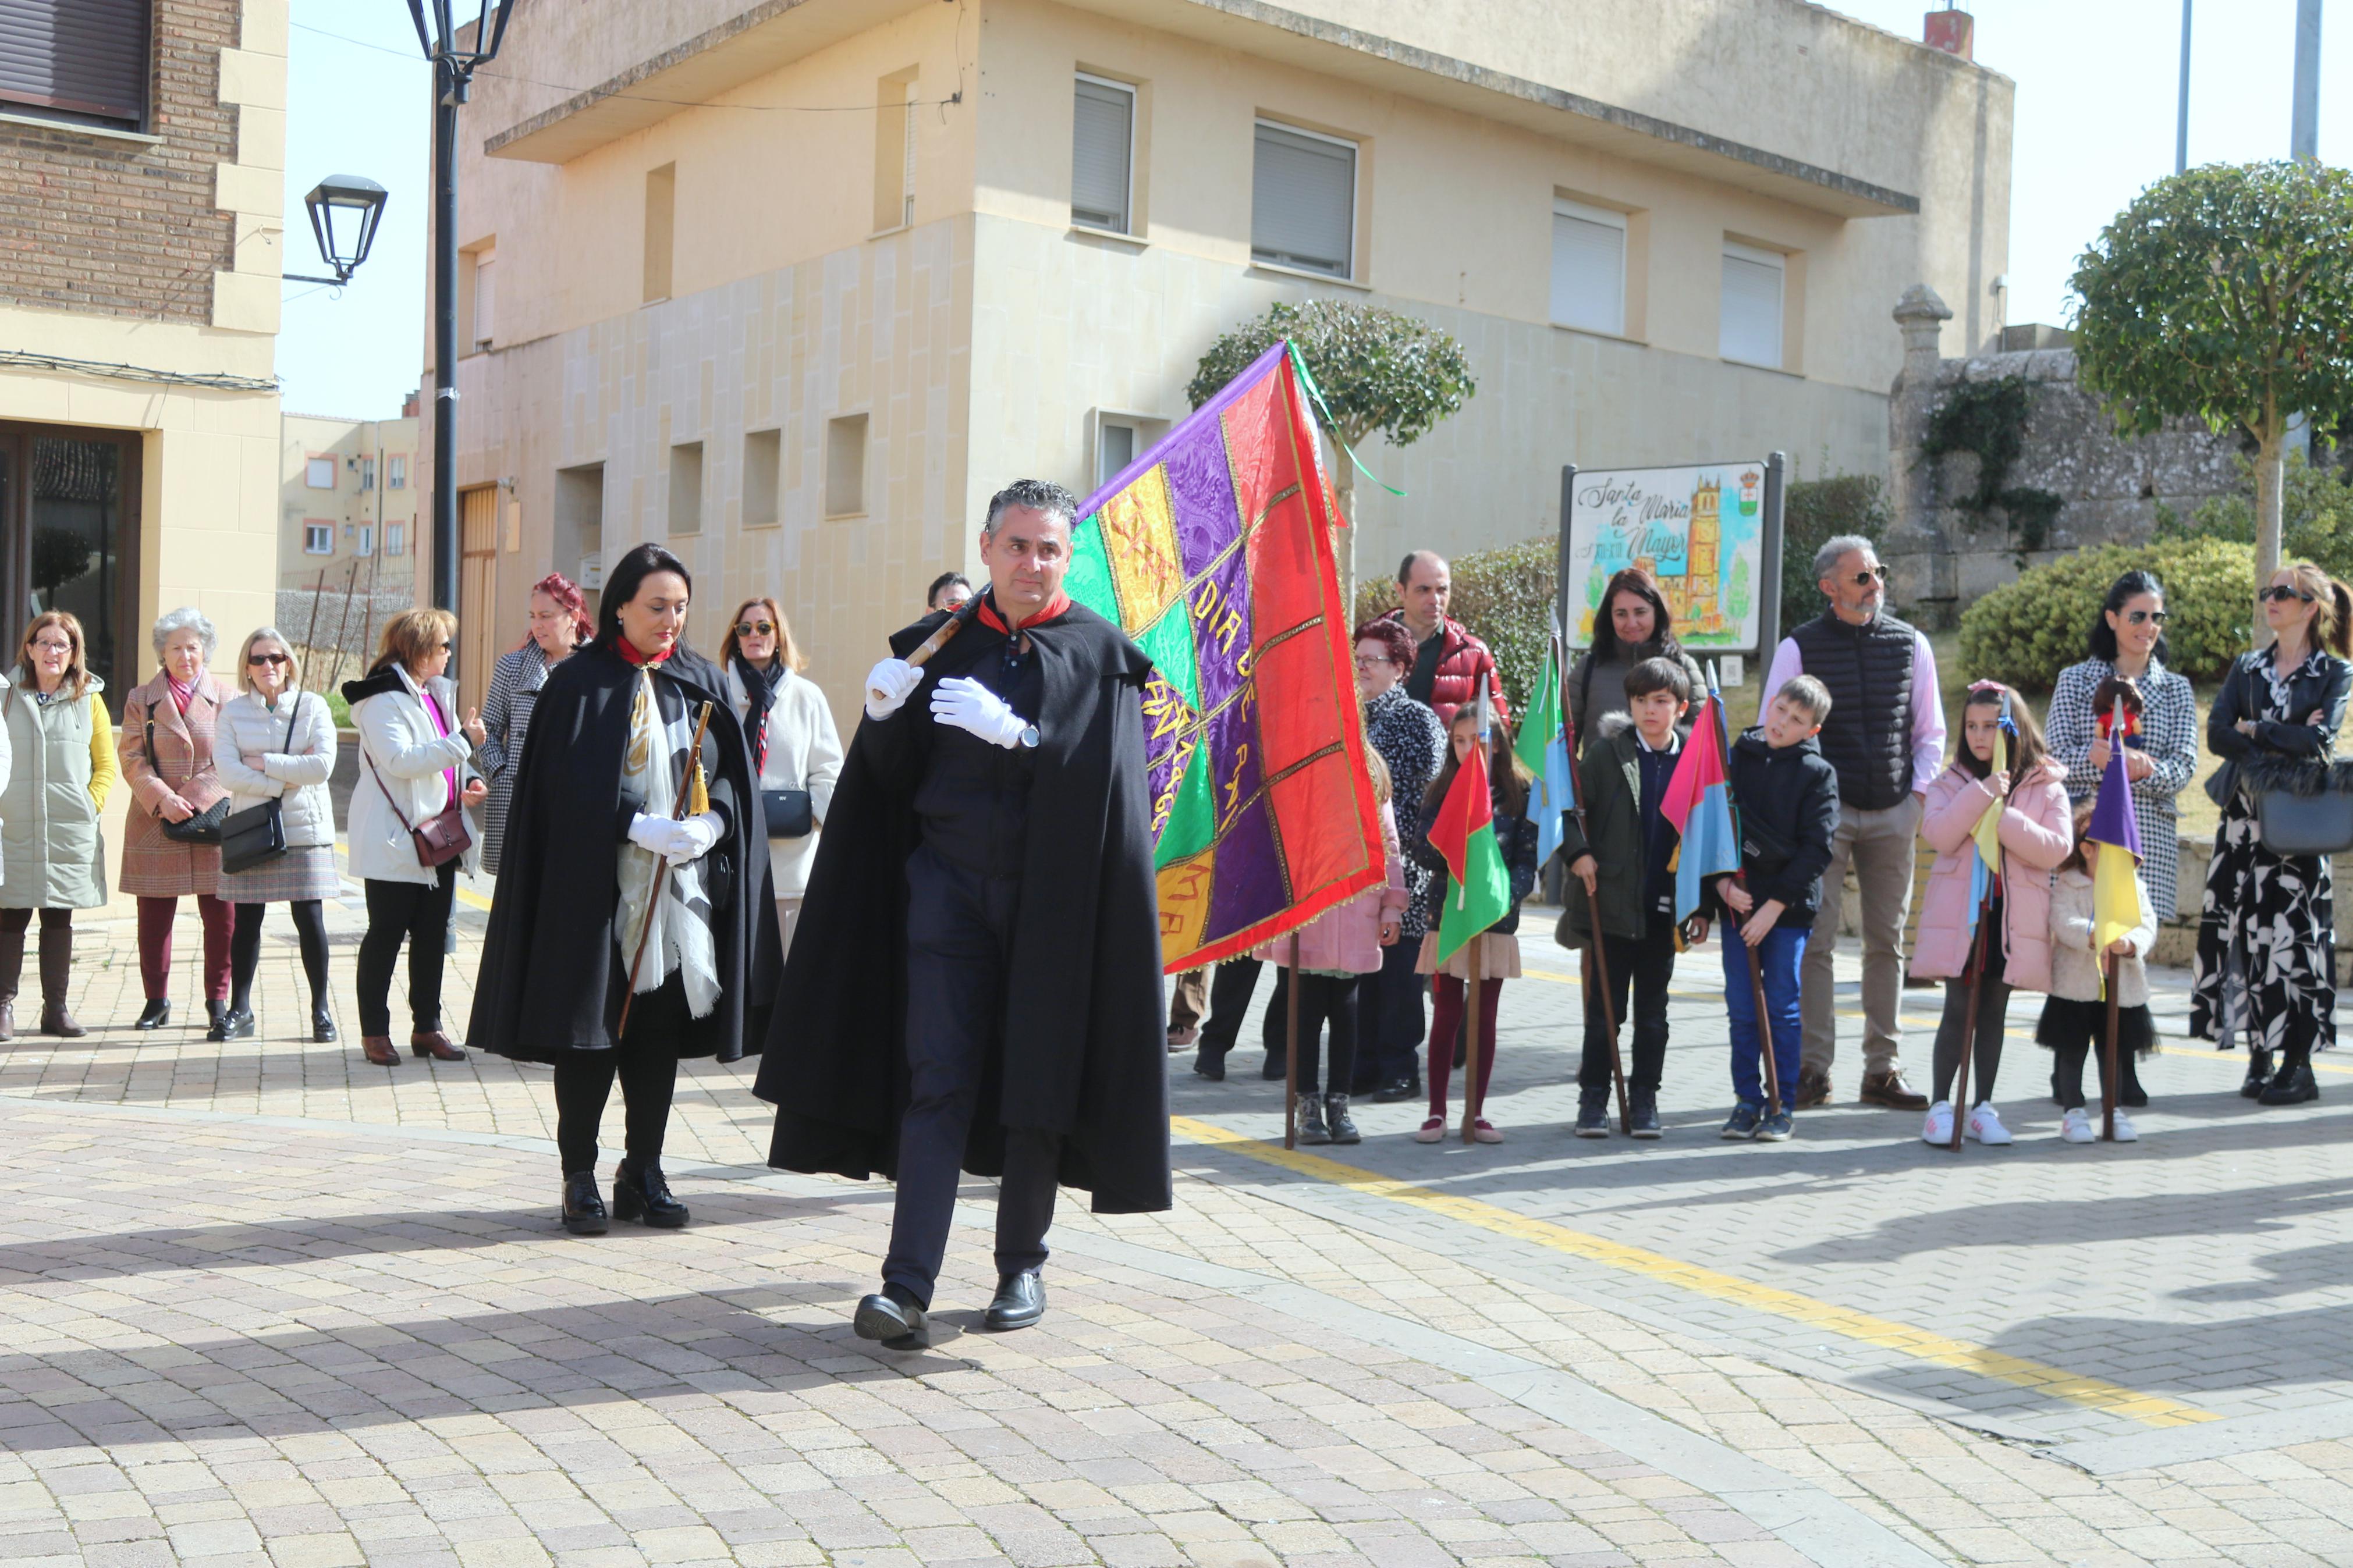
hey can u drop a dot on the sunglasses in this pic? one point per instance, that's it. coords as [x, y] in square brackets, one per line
[2145, 617]
[2279, 595]
[755, 628]
[1865, 579]
[278, 658]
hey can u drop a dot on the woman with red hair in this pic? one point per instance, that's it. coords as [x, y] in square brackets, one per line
[559, 623]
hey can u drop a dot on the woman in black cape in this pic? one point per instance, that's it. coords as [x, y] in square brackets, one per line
[591, 820]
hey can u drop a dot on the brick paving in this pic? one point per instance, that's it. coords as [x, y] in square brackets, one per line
[263, 1303]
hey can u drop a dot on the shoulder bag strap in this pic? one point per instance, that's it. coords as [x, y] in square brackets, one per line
[396, 814]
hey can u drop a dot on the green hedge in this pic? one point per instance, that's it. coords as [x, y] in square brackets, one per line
[1814, 511]
[2026, 632]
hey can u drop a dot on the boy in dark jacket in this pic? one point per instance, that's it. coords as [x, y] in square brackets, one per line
[1622, 868]
[1787, 793]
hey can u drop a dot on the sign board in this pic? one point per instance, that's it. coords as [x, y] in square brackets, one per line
[1710, 533]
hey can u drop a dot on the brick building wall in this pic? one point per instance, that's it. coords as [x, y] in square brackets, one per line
[121, 226]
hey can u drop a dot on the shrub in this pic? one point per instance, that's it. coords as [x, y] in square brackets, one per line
[2026, 632]
[1504, 596]
[1811, 511]
[2315, 515]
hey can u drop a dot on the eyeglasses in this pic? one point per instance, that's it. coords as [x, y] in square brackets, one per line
[1876, 575]
[1373, 661]
[45, 646]
[2279, 595]
[755, 628]
[278, 658]
[440, 647]
[2145, 617]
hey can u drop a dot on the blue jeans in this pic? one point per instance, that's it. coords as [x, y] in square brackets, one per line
[1778, 957]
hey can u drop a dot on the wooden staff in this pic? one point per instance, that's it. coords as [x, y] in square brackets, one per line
[1969, 1024]
[1471, 1041]
[2108, 1050]
[1291, 1052]
[661, 869]
[1597, 961]
[1772, 1067]
[958, 618]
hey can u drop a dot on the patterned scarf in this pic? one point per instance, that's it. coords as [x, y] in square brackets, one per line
[182, 691]
[760, 690]
[677, 930]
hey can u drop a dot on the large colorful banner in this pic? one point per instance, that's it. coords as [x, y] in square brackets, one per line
[1700, 530]
[1214, 552]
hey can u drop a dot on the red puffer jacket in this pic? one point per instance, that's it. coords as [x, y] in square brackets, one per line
[1462, 661]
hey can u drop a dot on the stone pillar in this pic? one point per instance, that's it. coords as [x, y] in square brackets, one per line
[1922, 583]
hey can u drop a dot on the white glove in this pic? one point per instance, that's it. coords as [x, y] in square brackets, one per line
[888, 685]
[651, 834]
[692, 838]
[968, 705]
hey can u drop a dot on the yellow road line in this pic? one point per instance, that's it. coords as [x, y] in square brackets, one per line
[2092, 1393]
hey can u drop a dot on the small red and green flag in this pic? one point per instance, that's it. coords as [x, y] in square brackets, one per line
[1464, 832]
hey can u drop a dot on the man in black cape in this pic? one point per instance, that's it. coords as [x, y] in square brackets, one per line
[976, 982]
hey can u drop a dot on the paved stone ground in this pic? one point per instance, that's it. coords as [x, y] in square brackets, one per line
[263, 1303]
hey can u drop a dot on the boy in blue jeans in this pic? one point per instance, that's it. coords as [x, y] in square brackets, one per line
[1787, 793]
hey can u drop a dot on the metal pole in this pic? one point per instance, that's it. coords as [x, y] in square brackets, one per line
[444, 337]
[2304, 126]
[1769, 567]
[2181, 114]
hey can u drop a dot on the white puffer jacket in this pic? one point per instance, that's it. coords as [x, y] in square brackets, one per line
[403, 756]
[294, 773]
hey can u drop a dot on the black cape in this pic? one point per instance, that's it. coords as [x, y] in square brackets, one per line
[550, 956]
[1086, 1038]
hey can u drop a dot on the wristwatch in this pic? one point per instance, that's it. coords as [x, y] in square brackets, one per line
[1027, 739]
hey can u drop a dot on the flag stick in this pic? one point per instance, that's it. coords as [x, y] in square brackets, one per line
[1471, 1042]
[1756, 972]
[1969, 1024]
[1597, 961]
[662, 872]
[2108, 1050]
[1290, 1053]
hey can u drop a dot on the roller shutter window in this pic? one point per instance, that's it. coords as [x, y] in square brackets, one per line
[82, 60]
[1102, 144]
[1588, 268]
[1751, 327]
[1304, 201]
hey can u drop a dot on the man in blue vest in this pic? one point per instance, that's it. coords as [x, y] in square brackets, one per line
[1886, 736]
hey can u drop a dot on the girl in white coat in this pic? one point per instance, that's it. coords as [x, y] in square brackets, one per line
[793, 744]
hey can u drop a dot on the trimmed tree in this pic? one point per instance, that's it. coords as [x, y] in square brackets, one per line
[1381, 374]
[2225, 294]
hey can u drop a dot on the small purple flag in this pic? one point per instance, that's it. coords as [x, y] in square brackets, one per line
[2115, 892]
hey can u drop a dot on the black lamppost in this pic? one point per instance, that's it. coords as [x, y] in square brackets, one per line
[344, 211]
[453, 77]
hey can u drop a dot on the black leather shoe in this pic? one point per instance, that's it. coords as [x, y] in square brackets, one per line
[2259, 1075]
[1210, 1064]
[584, 1207]
[897, 1324]
[1396, 1090]
[154, 1016]
[645, 1196]
[323, 1025]
[233, 1025]
[1021, 1301]
[2292, 1085]
[1275, 1069]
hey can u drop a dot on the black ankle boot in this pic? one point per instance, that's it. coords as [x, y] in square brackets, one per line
[1337, 1122]
[644, 1197]
[1311, 1128]
[2293, 1084]
[2259, 1075]
[154, 1016]
[322, 1023]
[584, 1207]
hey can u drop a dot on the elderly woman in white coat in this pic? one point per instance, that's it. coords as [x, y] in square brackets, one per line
[277, 742]
[416, 759]
[57, 757]
[793, 744]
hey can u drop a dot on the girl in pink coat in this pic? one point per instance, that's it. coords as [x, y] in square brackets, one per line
[2035, 837]
[1336, 948]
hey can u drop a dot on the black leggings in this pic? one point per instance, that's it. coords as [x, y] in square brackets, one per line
[421, 913]
[1326, 998]
[245, 950]
[646, 1061]
[1985, 1047]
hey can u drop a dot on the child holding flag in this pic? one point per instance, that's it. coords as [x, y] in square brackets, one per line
[1482, 853]
[1998, 819]
[1788, 803]
[2086, 926]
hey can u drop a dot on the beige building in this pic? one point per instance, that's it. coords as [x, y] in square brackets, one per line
[142, 160]
[794, 286]
[348, 505]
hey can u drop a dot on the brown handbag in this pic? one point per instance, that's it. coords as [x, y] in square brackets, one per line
[439, 838]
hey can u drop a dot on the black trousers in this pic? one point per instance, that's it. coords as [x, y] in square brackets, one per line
[1328, 999]
[420, 914]
[1643, 966]
[959, 946]
[1390, 1018]
[310, 918]
[645, 1060]
[1231, 984]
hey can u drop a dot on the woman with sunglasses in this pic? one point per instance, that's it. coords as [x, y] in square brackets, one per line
[794, 744]
[58, 742]
[277, 742]
[2266, 935]
[416, 759]
[559, 623]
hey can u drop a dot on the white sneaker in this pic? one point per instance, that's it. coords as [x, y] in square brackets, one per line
[2075, 1127]
[1985, 1126]
[1938, 1128]
[2124, 1133]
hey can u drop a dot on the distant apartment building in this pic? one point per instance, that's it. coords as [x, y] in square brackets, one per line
[141, 155]
[348, 505]
[793, 288]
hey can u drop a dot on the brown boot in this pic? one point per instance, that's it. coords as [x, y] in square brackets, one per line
[378, 1050]
[56, 981]
[1888, 1088]
[1813, 1089]
[435, 1044]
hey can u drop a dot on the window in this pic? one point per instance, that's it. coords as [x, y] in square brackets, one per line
[894, 151]
[395, 472]
[1304, 201]
[662, 230]
[1588, 268]
[686, 487]
[395, 538]
[486, 296]
[764, 456]
[320, 474]
[845, 466]
[318, 538]
[1114, 449]
[367, 546]
[1102, 151]
[1750, 328]
[367, 473]
[80, 61]
[579, 527]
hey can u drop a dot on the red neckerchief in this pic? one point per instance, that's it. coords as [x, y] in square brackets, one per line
[1052, 610]
[628, 650]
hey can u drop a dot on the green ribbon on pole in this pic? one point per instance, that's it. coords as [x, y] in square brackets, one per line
[1308, 377]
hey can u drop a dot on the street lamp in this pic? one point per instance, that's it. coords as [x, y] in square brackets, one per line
[438, 27]
[344, 211]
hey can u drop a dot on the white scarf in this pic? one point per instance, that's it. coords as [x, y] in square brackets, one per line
[678, 928]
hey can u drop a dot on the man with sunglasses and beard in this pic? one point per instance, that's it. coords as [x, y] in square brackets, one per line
[1886, 737]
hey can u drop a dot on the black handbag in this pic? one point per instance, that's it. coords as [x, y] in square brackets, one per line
[2313, 819]
[788, 810]
[256, 836]
[205, 826]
